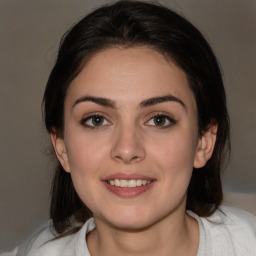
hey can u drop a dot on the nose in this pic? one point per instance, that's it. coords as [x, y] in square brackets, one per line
[128, 146]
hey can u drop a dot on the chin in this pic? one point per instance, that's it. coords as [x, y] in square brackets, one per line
[131, 220]
[131, 224]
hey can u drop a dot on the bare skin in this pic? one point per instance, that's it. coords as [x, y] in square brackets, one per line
[130, 116]
[178, 238]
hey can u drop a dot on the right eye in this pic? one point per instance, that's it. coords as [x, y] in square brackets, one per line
[95, 121]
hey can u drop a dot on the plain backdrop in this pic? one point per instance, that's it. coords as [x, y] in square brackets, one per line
[30, 31]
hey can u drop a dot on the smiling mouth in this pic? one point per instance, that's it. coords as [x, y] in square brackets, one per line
[128, 185]
[133, 183]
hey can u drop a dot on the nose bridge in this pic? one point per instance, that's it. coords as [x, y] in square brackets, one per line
[128, 144]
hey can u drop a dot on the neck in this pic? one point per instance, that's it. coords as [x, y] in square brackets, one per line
[175, 235]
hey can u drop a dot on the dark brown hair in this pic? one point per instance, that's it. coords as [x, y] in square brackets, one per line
[128, 24]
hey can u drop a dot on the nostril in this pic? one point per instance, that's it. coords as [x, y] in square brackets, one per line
[128, 160]
[127, 148]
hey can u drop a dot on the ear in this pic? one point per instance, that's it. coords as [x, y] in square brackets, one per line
[206, 145]
[60, 150]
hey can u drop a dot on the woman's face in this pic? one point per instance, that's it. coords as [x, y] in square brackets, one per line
[130, 137]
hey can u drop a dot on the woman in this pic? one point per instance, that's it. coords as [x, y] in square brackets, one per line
[136, 110]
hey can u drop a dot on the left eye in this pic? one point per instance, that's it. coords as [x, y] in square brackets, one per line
[95, 121]
[160, 121]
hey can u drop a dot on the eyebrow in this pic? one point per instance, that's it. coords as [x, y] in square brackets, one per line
[98, 100]
[161, 99]
[145, 103]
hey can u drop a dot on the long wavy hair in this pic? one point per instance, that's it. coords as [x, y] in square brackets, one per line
[129, 24]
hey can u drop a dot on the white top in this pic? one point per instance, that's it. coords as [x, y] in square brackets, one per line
[230, 232]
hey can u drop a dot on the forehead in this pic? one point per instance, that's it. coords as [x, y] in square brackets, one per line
[130, 75]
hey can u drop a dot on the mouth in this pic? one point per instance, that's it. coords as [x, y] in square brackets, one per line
[128, 186]
[128, 183]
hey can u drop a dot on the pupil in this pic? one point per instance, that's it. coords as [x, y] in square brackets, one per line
[159, 120]
[97, 121]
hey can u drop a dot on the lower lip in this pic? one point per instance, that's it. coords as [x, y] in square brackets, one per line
[128, 192]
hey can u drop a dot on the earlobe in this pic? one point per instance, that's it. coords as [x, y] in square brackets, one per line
[206, 145]
[60, 150]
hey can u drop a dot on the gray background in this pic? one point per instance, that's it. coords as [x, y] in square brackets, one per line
[30, 31]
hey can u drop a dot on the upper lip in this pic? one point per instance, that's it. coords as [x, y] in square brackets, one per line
[128, 176]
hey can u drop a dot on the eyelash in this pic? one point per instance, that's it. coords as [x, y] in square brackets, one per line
[104, 119]
[90, 118]
[167, 118]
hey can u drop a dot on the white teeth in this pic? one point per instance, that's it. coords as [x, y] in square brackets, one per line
[129, 183]
[139, 182]
[123, 183]
[132, 183]
[117, 183]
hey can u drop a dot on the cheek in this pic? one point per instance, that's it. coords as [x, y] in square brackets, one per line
[175, 153]
[174, 158]
[85, 154]
[86, 159]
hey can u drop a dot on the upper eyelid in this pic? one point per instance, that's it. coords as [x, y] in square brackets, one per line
[87, 117]
[147, 118]
[160, 113]
[100, 114]
[170, 119]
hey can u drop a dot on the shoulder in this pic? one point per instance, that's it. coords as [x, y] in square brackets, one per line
[229, 231]
[41, 236]
[234, 219]
[37, 238]
[42, 242]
